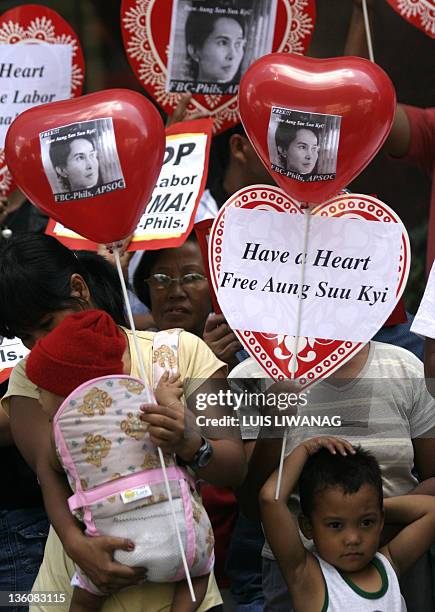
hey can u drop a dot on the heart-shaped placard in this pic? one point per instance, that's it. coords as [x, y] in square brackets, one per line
[304, 117]
[420, 13]
[146, 31]
[316, 358]
[81, 161]
[32, 23]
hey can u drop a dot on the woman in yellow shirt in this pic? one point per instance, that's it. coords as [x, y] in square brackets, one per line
[40, 282]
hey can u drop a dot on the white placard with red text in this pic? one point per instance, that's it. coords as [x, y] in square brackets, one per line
[32, 74]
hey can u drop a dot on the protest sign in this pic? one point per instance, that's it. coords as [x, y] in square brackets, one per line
[170, 213]
[30, 75]
[314, 356]
[41, 61]
[12, 350]
[180, 46]
[350, 280]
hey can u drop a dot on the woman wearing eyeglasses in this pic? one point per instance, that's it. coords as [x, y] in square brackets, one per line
[172, 283]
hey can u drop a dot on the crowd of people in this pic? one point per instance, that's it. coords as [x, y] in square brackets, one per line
[352, 522]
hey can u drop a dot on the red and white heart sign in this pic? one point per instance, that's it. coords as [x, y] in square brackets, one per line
[420, 13]
[146, 26]
[316, 357]
[32, 23]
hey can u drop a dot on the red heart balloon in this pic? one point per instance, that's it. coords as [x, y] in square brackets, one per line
[315, 123]
[91, 163]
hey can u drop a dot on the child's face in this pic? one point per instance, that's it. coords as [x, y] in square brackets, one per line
[346, 527]
[50, 402]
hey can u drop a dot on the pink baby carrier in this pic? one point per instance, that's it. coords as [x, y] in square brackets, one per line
[115, 473]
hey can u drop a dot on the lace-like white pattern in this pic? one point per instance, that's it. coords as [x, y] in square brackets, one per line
[420, 12]
[151, 69]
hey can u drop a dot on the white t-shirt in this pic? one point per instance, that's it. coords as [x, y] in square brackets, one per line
[343, 594]
[424, 320]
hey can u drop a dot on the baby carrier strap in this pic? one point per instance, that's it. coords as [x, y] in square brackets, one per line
[165, 353]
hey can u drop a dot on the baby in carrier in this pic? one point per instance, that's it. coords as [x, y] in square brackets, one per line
[112, 466]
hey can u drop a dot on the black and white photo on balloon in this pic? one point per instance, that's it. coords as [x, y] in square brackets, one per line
[303, 145]
[81, 160]
[212, 43]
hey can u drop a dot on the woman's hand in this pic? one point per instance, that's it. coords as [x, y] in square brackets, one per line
[94, 555]
[334, 445]
[221, 339]
[172, 429]
[124, 256]
[180, 112]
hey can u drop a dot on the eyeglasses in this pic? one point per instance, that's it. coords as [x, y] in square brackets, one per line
[163, 281]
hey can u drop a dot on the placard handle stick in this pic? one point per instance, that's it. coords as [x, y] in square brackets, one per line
[294, 361]
[367, 29]
[151, 399]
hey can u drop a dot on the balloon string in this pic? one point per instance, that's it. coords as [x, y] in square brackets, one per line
[151, 399]
[294, 361]
[368, 32]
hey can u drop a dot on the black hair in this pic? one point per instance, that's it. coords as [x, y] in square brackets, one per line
[35, 276]
[220, 152]
[286, 133]
[59, 151]
[199, 26]
[143, 270]
[323, 470]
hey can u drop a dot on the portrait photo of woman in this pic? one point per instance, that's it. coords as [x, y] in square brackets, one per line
[81, 159]
[303, 146]
[216, 46]
[298, 148]
[76, 162]
[209, 44]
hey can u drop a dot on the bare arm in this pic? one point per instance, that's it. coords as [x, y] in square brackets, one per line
[356, 39]
[424, 459]
[399, 139]
[299, 568]
[228, 465]
[167, 428]
[418, 513]
[221, 339]
[144, 321]
[280, 528]
[424, 453]
[264, 456]
[264, 459]
[6, 438]
[429, 365]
